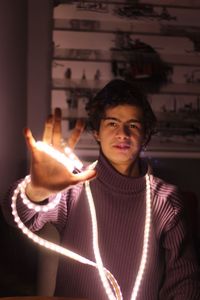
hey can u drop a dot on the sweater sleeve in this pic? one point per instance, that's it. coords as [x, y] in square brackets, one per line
[182, 272]
[34, 221]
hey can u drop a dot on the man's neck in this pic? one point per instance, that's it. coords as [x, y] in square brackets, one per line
[133, 170]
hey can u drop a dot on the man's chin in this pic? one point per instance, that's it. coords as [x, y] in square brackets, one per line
[122, 159]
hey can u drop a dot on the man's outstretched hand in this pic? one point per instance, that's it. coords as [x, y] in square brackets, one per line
[48, 176]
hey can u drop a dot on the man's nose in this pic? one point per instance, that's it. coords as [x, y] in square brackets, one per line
[123, 131]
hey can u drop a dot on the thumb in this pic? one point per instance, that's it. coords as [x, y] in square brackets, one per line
[85, 175]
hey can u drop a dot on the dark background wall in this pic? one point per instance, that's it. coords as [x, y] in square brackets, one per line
[25, 35]
[25, 39]
[13, 87]
[183, 172]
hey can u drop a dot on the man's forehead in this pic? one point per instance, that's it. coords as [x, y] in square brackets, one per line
[125, 113]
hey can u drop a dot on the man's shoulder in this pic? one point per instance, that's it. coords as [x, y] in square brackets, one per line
[166, 195]
[162, 187]
[167, 202]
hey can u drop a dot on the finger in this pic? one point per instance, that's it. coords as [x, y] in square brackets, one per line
[83, 176]
[29, 138]
[48, 129]
[57, 130]
[76, 133]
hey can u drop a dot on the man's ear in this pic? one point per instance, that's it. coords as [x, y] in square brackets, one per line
[96, 136]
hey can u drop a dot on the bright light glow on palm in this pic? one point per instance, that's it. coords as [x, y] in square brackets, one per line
[68, 159]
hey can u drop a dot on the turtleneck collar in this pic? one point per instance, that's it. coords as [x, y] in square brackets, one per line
[109, 176]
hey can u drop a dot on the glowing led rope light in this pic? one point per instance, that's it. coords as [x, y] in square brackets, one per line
[96, 246]
[71, 162]
[77, 163]
[32, 205]
[55, 247]
[40, 240]
[145, 240]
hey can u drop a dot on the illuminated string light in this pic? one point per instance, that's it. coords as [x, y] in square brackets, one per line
[32, 205]
[71, 162]
[145, 240]
[96, 244]
[77, 163]
[40, 240]
[147, 226]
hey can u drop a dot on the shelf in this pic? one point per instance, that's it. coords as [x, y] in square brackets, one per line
[64, 84]
[92, 55]
[184, 4]
[185, 89]
[131, 27]
[174, 35]
[83, 85]
[105, 26]
[172, 3]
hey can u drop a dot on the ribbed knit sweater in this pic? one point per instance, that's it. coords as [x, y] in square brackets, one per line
[171, 271]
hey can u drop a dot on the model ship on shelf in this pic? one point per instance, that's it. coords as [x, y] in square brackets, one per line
[179, 127]
[138, 11]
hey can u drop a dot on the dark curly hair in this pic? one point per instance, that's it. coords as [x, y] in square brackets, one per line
[119, 92]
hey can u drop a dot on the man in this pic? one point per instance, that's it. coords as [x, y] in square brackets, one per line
[142, 239]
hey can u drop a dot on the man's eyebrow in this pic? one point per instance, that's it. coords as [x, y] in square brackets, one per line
[118, 120]
[111, 118]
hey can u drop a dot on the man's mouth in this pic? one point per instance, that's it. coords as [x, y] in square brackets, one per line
[122, 146]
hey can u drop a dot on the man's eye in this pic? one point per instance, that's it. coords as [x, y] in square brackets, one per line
[133, 125]
[112, 124]
[137, 126]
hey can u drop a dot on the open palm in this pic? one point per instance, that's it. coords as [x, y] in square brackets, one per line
[49, 176]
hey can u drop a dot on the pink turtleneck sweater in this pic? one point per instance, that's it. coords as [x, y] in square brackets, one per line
[171, 271]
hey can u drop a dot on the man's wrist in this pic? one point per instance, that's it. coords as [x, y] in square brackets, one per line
[36, 194]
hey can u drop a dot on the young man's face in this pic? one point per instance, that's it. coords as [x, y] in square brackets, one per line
[121, 136]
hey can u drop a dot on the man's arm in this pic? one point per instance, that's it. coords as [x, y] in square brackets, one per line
[48, 176]
[182, 277]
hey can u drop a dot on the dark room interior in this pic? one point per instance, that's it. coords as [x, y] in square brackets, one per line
[26, 59]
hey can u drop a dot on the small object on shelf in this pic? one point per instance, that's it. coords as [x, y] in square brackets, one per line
[68, 73]
[82, 101]
[93, 6]
[97, 75]
[83, 75]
